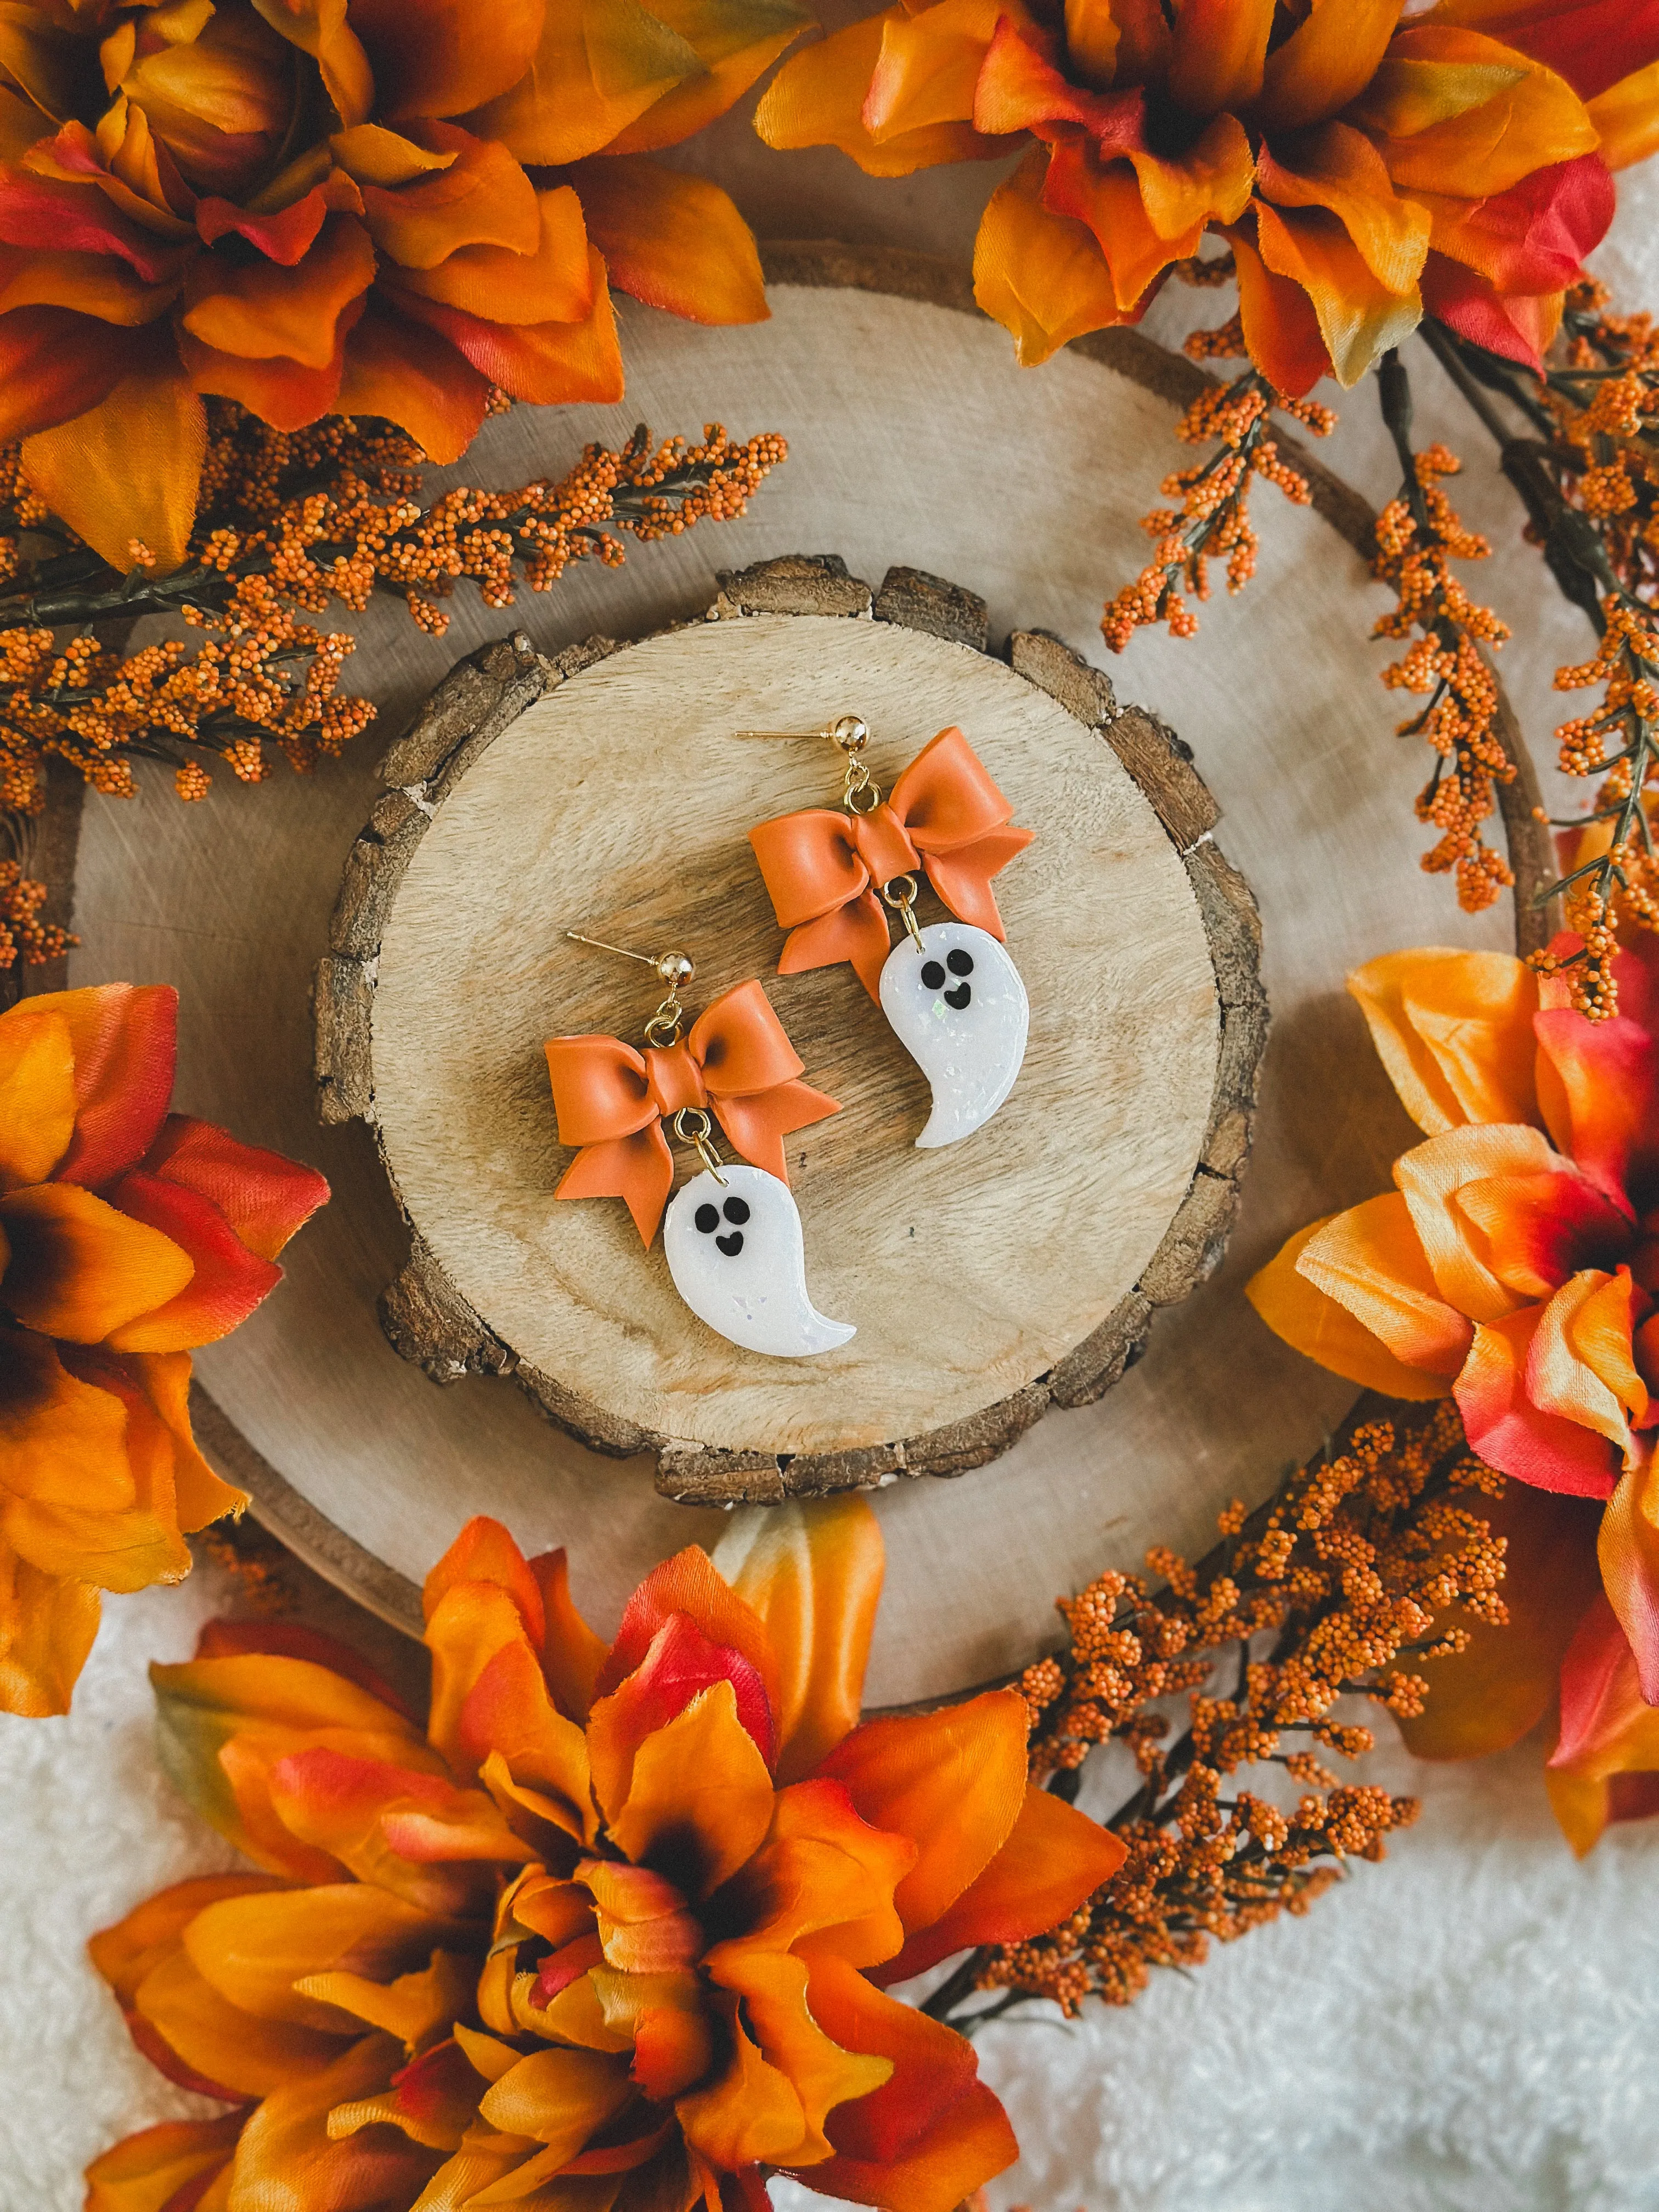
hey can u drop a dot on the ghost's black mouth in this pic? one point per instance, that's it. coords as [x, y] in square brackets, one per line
[960, 964]
[707, 1218]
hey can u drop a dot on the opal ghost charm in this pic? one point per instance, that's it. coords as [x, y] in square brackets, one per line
[953, 996]
[733, 1237]
[958, 1007]
[735, 1250]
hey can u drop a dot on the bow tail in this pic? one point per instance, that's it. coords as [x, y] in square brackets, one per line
[856, 932]
[640, 1168]
[757, 1124]
[962, 878]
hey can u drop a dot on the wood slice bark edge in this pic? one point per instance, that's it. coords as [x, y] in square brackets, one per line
[429, 1321]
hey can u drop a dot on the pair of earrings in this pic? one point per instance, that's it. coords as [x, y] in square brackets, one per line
[732, 1236]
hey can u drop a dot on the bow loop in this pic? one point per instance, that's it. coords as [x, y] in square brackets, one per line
[612, 1100]
[823, 869]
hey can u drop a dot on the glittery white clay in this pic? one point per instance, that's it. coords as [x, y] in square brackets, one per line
[960, 1010]
[737, 1259]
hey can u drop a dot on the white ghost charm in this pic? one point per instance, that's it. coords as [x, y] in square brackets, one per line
[737, 1259]
[960, 1010]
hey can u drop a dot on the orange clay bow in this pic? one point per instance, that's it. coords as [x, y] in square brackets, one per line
[823, 868]
[612, 1100]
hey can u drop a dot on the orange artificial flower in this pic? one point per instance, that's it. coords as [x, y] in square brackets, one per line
[341, 207]
[127, 1236]
[613, 1931]
[1516, 1266]
[1364, 166]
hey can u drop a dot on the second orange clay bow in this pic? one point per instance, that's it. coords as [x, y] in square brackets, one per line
[823, 868]
[612, 1100]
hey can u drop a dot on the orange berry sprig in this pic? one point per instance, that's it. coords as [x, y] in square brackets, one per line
[290, 523]
[1213, 518]
[1334, 1588]
[1418, 535]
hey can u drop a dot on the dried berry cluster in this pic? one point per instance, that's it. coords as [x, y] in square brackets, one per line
[25, 939]
[288, 523]
[1333, 1589]
[1213, 518]
[1605, 458]
[1418, 535]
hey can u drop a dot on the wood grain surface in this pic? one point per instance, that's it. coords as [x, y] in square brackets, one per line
[989, 1280]
[915, 440]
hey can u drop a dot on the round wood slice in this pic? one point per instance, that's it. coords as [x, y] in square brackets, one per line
[914, 439]
[605, 789]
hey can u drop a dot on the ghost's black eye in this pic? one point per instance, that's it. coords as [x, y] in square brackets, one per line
[737, 1209]
[932, 974]
[960, 963]
[707, 1219]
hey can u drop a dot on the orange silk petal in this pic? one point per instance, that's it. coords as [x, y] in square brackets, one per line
[129, 467]
[1338, 168]
[265, 1197]
[824, 1882]
[260, 309]
[389, 1825]
[1527, 124]
[253, 1948]
[124, 1036]
[929, 67]
[484, 1552]
[933, 2134]
[47, 1624]
[813, 1574]
[1580, 1366]
[736, 46]
[1110, 200]
[149, 2170]
[472, 1622]
[598, 69]
[1453, 1031]
[551, 364]
[1210, 182]
[1431, 1177]
[558, 2097]
[1054, 1860]
[554, 283]
[415, 2007]
[266, 1704]
[817, 99]
[690, 1584]
[1486, 1697]
[414, 378]
[750, 2114]
[1041, 276]
[674, 240]
[446, 60]
[508, 1711]
[286, 2159]
[1626, 115]
[773, 1986]
[699, 1796]
[37, 1095]
[1511, 1429]
[1327, 60]
[572, 1655]
[1220, 50]
[954, 1781]
[1628, 1546]
[155, 1389]
[483, 197]
[1281, 329]
[1607, 1757]
[1371, 1260]
[1360, 316]
[217, 2041]
[1306, 1316]
[79, 1268]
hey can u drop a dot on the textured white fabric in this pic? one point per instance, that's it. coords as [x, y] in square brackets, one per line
[1468, 2028]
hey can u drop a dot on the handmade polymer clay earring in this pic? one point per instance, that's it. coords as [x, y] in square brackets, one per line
[953, 996]
[732, 1234]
